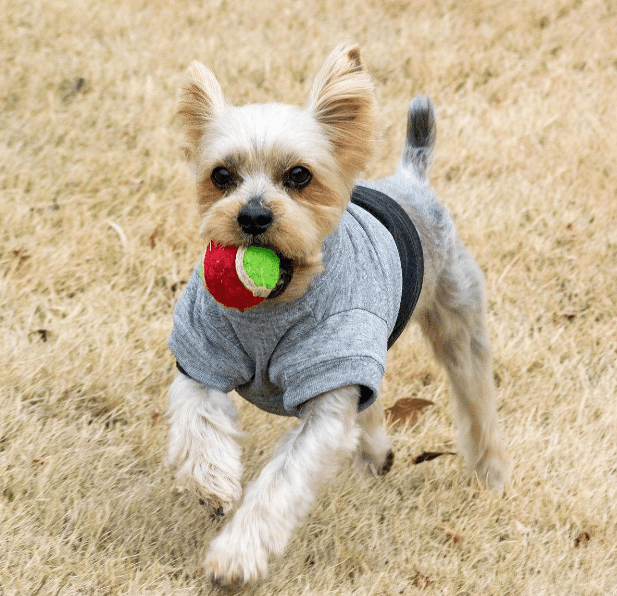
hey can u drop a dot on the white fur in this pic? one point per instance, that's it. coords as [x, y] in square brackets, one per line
[374, 449]
[202, 442]
[277, 501]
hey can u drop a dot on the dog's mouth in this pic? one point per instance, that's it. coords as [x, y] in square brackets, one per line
[287, 264]
[286, 271]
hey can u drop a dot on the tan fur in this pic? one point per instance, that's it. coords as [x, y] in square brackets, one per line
[344, 103]
[201, 99]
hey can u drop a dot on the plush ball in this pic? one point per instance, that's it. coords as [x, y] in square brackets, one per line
[240, 277]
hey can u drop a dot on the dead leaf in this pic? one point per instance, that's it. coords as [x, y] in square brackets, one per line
[568, 316]
[154, 416]
[176, 286]
[429, 455]
[421, 581]
[43, 334]
[406, 410]
[451, 534]
[427, 379]
[154, 237]
[582, 539]
[70, 88]
[22, 257]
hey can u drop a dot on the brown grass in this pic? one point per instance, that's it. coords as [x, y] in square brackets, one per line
[98, 236]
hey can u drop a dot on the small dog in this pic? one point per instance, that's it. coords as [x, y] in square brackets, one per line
[279, 176]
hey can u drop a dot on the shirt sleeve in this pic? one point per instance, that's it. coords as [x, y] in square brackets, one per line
[347, 348]
[204, 344]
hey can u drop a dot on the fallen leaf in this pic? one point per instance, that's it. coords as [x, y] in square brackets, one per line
[406, 410]
[421, 581]
[451, 534]
[21, 255]
[429, 455]
[568, 316]
[176, 286]
[154, 237]
[583, 538]
[427, 379]
[154, 416]
[42, 334]
[70, 88]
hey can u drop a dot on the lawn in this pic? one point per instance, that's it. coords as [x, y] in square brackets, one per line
[99, 234]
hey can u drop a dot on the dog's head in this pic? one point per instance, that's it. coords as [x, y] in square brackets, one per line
[276, 175]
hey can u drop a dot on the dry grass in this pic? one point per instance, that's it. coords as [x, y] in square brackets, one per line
[98, 236]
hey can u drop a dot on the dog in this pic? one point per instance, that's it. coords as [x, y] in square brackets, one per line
[279, 176]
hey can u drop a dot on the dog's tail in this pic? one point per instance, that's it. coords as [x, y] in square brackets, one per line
[420, 139]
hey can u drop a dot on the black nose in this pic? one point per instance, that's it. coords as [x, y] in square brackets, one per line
[255, 218]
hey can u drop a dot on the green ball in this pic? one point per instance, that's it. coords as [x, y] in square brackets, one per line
[258, 269]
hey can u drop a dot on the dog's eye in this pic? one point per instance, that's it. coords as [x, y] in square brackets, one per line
[297, 177]
[221, 177]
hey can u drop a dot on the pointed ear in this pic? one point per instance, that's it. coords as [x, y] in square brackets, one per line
[343, 102]
[201, 99]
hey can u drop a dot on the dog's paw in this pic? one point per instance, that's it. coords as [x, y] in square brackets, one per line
[212, 487]
[214, 481]
[218, 487]
[375, 455]
[374, 464]
[235, 562]
[493, 469]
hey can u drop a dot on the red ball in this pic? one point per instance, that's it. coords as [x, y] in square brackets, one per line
[218, 272]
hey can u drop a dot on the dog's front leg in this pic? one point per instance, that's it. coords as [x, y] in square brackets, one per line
[275, 503]
[202, 442]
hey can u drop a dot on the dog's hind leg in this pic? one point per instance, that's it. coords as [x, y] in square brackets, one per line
[455, 324]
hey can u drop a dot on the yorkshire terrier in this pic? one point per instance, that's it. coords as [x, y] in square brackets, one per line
[365, 257]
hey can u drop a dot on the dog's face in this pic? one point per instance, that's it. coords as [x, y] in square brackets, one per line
[277, 175]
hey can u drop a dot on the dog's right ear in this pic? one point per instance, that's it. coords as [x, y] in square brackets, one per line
[343, 102]
[201, 99]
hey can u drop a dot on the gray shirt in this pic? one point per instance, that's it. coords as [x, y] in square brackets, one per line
[335, 335]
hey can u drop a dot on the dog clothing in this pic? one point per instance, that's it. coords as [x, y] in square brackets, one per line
[336, 334]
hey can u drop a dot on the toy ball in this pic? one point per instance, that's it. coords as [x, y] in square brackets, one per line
[240, 277]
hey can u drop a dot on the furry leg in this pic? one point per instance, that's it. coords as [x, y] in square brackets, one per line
[374, 451]
[277, 501]
[202, 442]
[456, 327]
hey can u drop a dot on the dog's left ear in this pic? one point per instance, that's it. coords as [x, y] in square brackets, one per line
[343, 102]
